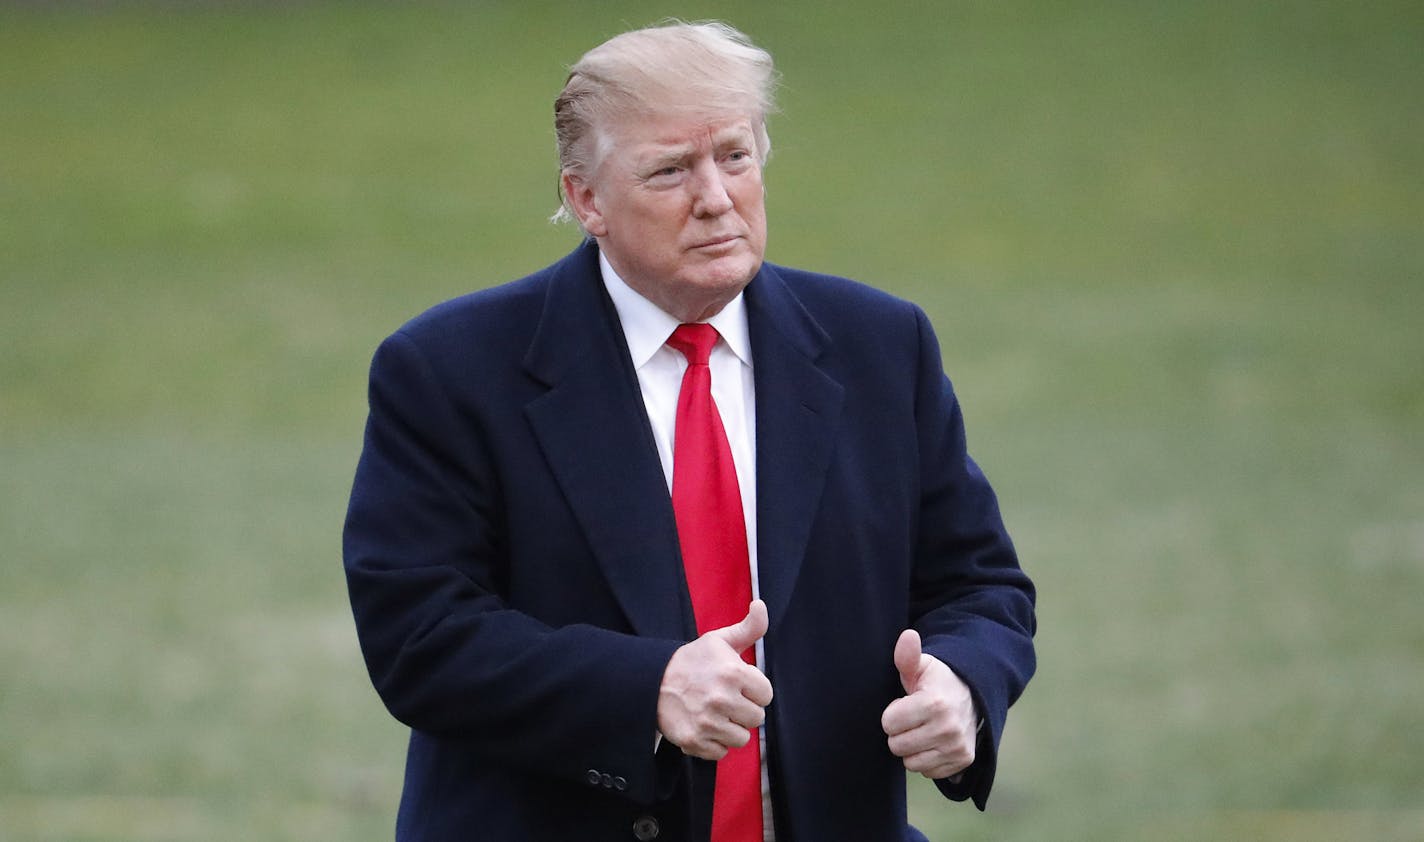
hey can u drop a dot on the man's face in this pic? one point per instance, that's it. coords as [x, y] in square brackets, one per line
[677, 207]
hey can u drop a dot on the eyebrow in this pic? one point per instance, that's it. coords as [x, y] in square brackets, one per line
[673, 153]
[732, 136]
[666, 156]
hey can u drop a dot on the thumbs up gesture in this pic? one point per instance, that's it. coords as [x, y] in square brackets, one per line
[933, 727]
[710, 699]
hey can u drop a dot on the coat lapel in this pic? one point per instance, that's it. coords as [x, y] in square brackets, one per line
[797, 407]
[594, 432]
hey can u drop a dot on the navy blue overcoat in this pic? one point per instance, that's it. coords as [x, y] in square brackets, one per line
[513, 564]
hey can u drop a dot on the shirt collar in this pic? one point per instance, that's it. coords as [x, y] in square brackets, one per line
[646, 326]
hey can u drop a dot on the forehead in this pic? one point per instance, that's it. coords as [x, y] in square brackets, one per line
[659, 134]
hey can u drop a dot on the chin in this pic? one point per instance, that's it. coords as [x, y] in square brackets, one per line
[730, 272]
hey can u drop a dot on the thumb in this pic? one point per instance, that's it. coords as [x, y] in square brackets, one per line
[907, 659]
[746, 633]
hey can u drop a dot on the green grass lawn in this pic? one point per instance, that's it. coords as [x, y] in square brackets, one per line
[1175, 254]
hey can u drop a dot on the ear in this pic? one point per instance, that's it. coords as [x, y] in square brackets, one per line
[583, 199]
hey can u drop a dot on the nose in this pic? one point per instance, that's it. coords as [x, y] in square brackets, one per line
[710, 197]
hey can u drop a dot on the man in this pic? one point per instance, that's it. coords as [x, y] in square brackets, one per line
[665, 542]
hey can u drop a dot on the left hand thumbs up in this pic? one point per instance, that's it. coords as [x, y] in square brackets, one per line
[933, 728]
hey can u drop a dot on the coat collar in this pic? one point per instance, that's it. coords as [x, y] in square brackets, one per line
[594, 431]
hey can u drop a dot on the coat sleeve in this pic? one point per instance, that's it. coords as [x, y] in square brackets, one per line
[425, 560]
[970, 600]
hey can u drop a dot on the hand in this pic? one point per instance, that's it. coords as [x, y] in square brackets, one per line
[933, 728]
[710, 698]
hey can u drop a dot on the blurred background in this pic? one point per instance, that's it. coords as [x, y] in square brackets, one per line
[1174, 252]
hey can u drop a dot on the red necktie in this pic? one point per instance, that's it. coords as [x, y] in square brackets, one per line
[713, 536]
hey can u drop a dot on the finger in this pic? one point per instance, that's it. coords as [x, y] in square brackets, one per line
[916, 723]
[936, 738]
[907, 659]
[733, 735]
[935, 764]
[705, 749]
[757, 687]
[937, 770]
[913, 742]
[722, 735]
[746, 633]
[902, 716]
[711, 736]
[745, 713]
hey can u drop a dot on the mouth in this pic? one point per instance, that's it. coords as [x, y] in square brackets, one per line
[717, 243]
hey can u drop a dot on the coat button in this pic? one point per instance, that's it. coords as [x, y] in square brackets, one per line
[606, 779]
[646, 828]
[620, 783]
[593, 778]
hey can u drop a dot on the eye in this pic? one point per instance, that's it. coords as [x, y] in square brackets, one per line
[665, 174]
[737, 160]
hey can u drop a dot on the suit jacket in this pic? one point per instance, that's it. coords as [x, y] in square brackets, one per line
[513, 563]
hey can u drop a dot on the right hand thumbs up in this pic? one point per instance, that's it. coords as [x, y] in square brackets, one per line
[710, 699]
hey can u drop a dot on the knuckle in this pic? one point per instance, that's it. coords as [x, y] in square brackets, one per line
[719, 707]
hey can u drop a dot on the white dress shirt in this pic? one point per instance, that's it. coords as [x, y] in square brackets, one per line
[646, 329]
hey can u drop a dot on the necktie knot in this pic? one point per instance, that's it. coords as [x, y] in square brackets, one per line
[694, 341]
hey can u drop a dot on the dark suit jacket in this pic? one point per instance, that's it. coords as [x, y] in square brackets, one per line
[513, 562]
